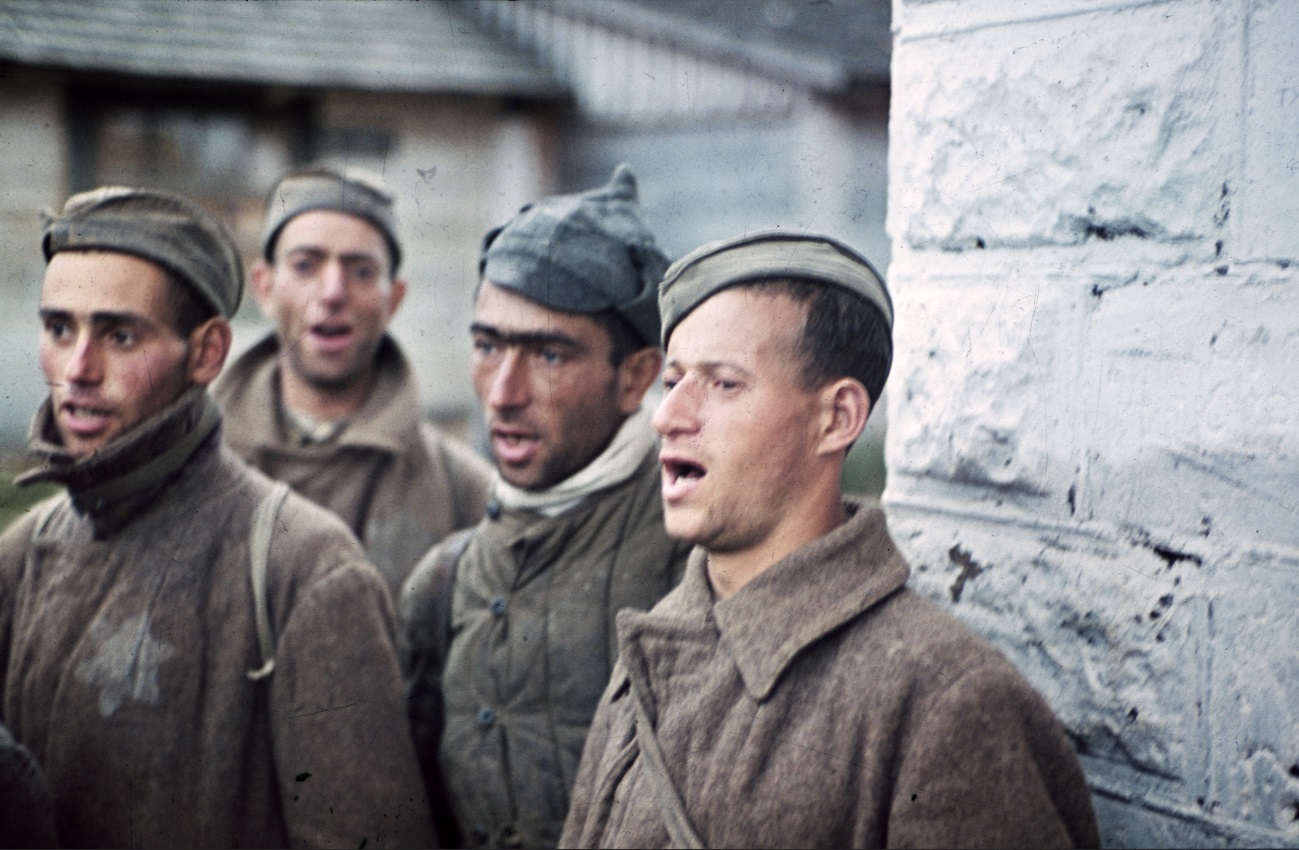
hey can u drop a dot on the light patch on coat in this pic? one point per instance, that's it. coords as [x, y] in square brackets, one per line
[125, 664]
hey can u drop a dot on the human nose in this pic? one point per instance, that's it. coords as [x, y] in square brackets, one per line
[676, 412]
[333, 284]
[84, 365]
[510, 385]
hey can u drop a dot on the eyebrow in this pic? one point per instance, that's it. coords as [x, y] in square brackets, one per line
[525, 339]
[708, 367]
[316, 252]
[99, 317]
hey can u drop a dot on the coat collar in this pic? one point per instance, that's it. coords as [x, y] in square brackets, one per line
[792, 605]
[250, 393]
[118, 481]
[546, 538]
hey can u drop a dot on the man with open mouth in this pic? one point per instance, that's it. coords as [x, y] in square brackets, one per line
[791, 691]
[327, 402]
[195, 656]
[508, 629]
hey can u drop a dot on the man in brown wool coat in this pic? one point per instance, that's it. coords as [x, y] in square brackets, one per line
[328, 402]
[791, 691]
[193, 655]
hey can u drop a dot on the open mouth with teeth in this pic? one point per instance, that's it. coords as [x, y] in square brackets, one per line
[680, 470]
[514, 447]
[332, 336]
[83, 419]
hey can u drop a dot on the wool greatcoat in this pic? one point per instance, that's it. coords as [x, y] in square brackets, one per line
[126, 637]
[530, 631]
[825, 705]
[396, 481]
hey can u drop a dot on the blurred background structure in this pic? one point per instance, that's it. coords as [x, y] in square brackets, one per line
[734, 115]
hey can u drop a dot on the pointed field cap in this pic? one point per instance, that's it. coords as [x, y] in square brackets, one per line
[166, 229]
[765, 255]
[354, 191]
[582, 253]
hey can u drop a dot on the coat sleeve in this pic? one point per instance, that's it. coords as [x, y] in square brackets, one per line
[423, 642]
[13, 552]
[343, 754]
[597, 773]
[986, 764]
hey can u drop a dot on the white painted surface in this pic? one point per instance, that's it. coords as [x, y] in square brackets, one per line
[1094, 420]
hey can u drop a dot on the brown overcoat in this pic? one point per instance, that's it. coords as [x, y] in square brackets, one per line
[520, 655]
[125, 643]
[395, 480]
[826, 705]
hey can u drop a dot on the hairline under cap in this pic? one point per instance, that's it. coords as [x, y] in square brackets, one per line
[103, 224]
[344, 180]
[273, 238]
[758, 269]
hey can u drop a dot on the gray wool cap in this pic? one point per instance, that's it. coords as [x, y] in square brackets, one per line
[353, 191]
[582, 253]
[166, 229]
[767, 254]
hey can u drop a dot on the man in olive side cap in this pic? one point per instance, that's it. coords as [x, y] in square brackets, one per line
[508, 629]
[328, 402]
[193, 655]
[791, 691]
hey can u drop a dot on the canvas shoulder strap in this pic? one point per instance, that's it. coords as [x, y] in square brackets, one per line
[443, 582]
[680, 829]
[259, 552]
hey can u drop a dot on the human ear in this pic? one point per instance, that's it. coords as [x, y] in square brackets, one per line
[396, 294]
[262, 276]
[209, 344]
[636, 375]
[845, 405]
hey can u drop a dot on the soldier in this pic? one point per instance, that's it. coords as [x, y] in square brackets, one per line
[509, 628]
[791, 691]
[195, 656]
[328, 402]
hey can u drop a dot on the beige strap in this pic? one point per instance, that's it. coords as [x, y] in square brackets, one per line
[259, 552]
[680, 830]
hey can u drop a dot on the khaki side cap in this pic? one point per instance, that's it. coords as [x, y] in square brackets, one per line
[711, 268]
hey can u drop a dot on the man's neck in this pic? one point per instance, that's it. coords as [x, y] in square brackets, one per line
[729, 572]
[328, 405]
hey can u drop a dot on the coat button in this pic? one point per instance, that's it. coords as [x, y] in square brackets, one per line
[486, 717]
[498, 606]
[494, 509]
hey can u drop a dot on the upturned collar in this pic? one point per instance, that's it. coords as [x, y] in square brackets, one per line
[797, 601]
[115, 483]
[389, 421]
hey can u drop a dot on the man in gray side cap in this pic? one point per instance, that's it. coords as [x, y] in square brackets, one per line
[791, 691]
[193, 655]
[328, 402]
[508, 629]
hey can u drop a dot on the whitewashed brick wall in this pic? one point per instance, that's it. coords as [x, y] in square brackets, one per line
[1093, 445]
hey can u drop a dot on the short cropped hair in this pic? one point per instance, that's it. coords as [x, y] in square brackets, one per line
[843, 335]
[188, 310]
[624, 338]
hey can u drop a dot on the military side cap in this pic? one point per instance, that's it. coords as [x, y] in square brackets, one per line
[168, 230]
[765, 255]
[348, 190]
[582, 253]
